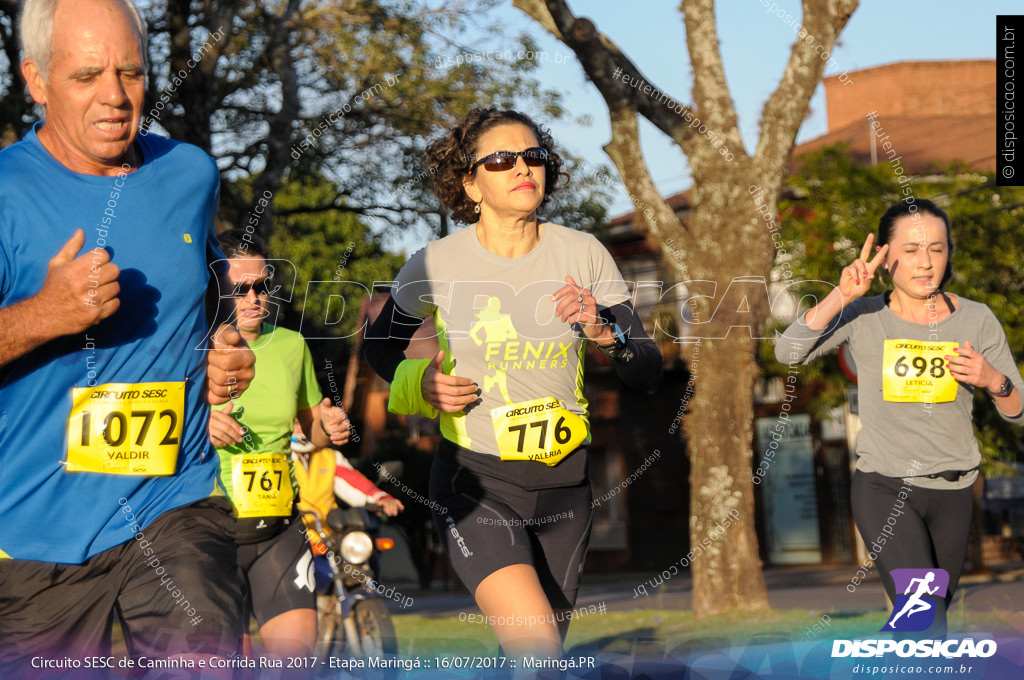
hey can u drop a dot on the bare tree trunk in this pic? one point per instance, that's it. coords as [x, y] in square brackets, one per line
[279, 140]
[727, 574]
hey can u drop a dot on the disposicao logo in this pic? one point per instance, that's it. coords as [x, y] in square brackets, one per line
[948, 649]
[914, 610]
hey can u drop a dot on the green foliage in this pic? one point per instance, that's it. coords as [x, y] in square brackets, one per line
[615, 634]
[582, 203]
[386, 63]
[350, 90]
[837, 203]
[16, 115]
[327, 247]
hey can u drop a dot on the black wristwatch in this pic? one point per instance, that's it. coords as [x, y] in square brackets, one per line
[615, 348]
[1005, 390]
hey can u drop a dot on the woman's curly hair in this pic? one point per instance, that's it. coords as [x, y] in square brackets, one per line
[450, 156]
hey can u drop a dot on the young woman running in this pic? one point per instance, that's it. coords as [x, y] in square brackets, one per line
[920, 354]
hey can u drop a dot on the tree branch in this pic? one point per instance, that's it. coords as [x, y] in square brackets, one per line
[788, 104]
[599, 58]
[617, 78]
[624, 150]
[338, 204]
[710, 89]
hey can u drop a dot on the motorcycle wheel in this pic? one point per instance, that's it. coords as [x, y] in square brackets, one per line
[376, 630]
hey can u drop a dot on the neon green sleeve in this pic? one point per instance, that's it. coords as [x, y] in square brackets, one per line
[406, 396]
[309, 391]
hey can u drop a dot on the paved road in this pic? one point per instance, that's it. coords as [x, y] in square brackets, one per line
[821, 589]
[638, 653]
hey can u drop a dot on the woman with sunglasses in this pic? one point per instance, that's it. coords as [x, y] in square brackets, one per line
[252, 434]
[920, 355]
[513, 299]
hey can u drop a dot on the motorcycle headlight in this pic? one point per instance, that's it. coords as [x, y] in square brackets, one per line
[356, 547]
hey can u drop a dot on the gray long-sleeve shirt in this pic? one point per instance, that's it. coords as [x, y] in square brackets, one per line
[894, 435]
[496, 320]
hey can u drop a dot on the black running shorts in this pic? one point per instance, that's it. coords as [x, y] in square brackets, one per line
[487, 523]
[174, 586]
[278, 573]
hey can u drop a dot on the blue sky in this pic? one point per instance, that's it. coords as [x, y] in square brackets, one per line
[755, 47]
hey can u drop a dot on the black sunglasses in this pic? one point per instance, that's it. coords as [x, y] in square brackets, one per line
[506, 160]
[261, 287]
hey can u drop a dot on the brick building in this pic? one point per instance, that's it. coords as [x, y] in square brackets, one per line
[934, 112]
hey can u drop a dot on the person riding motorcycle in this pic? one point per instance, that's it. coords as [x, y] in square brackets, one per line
[323, 475]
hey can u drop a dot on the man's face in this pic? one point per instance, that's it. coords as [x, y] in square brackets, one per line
[248, 276]
[96, 86]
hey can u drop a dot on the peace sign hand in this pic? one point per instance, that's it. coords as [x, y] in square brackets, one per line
[856, 277]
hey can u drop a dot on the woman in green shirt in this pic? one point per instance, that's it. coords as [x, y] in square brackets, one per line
[252, 434]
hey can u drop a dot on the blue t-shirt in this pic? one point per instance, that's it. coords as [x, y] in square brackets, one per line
[157, 223]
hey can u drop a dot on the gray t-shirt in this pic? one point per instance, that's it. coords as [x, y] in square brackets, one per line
[939, 436]
[494, 315]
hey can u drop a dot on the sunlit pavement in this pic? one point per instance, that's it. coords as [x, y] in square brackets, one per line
[823, 589]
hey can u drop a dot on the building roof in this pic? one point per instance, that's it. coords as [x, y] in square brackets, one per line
[920, 142]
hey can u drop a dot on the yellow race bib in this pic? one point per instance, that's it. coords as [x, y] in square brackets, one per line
[126, 428]
[540, 429]
[915, 371]
[262, 485]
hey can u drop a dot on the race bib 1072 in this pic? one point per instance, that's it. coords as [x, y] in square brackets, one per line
[126, 428]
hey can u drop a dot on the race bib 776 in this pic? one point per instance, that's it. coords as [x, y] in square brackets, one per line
[539, 429]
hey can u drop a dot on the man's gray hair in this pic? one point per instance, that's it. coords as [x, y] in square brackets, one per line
[35, 29]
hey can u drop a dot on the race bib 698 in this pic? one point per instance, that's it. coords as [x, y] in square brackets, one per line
[915, 371]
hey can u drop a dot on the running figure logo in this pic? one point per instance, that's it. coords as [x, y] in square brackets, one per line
[497, 328]
[915, 611]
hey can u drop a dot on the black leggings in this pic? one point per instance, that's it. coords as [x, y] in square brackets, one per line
[930, 531]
